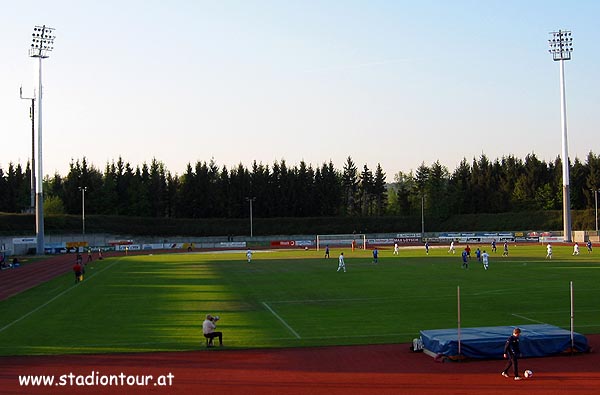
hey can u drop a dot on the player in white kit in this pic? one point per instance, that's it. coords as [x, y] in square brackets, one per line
[341, 263]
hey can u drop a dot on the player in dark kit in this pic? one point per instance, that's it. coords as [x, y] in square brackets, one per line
[465, 262]
[512, 352]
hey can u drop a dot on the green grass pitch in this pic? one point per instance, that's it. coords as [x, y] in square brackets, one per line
[295, 298]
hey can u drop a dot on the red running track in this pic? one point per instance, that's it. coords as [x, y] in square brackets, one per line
[377, 369]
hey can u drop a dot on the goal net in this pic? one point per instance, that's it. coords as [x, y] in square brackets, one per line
[345, 240]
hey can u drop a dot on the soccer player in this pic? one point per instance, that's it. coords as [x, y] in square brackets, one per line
[494, 245]
[486, 257]
[549, 251]
[505, 253]
[77, 270]
[512, 352]
[395, 248]
[589, 246]
[478, 254]
[249, 255]
[327, 251]
[375, 255]
[427, 248]
[452, 249]
[576, 249]
[341, 263]
[465, 261]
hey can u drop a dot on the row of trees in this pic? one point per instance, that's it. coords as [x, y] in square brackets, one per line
[206, 190]
[203, 191]
[503, 185]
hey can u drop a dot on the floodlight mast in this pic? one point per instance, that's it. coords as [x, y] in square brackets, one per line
[561, 46]
[42, 44]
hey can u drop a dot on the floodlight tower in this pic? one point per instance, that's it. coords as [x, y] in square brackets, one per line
[41, 45]
[561, 46]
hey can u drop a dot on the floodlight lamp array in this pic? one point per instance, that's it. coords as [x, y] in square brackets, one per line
[561, 45]
[42, 41]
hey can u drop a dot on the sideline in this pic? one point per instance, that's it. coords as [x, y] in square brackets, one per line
[56, 297]
[282, 321]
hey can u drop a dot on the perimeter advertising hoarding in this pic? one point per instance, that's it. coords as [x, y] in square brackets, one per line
[476, 237]
[407, 238]
[291, 243]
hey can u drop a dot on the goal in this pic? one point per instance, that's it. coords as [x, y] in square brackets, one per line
[344, 240]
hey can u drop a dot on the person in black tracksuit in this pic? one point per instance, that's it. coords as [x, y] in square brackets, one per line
[512, 352]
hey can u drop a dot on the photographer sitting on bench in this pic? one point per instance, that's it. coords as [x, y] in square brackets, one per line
[208, 328]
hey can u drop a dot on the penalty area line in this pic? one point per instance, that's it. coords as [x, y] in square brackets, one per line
[528, 319]
[282, 321]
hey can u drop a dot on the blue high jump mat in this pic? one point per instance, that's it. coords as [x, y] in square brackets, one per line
[537, 340]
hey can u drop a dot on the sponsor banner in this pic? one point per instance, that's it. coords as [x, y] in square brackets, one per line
[76, 244]
[128, 247]
[154, 246]
[407, 240]
[380, 242]
[25, 240]
[527, 239]
[283, 243]
[552, 239]
[304, 243]
[476, 237]
[232, 244]
[55, 245]
[119, 242]
[449, 235]
[539, 234]
[408, 235]
[506, 238]
[55, 250]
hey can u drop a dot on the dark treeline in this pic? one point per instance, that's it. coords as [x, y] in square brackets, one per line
[206, 190]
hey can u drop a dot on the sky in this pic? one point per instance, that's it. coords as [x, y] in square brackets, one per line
[396, 83]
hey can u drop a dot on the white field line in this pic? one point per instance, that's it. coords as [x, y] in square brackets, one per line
[429, 297]
[528, 319]
[54, 298]
[282, 320]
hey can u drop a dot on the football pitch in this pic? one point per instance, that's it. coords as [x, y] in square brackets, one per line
[295, 298]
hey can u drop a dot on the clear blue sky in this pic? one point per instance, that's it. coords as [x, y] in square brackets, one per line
[390, 82]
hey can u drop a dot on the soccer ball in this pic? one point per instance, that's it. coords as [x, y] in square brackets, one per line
[528, 374]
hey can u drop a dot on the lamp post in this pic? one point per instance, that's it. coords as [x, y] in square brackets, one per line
[251, 199]
[42, 44]
[422, 217]
[32, 117]
[596, 205]
[561, 46]
[83, 189]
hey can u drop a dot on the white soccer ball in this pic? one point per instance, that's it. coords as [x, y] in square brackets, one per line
[528, 373]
